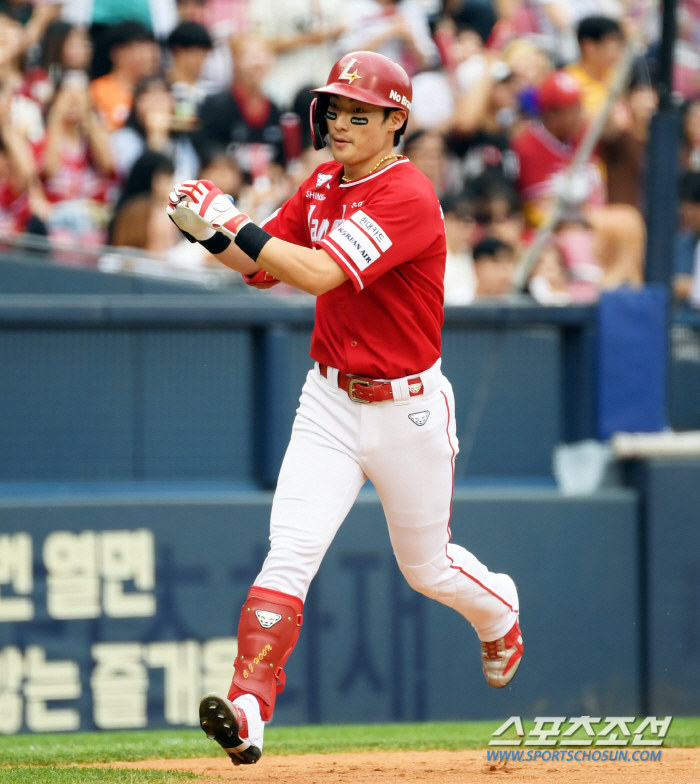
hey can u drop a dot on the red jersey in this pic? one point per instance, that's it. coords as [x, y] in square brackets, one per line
[387, 232]
[14, 209]
[76, 177]
[544, 159]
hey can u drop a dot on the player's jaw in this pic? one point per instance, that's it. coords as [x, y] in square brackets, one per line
[357, 134]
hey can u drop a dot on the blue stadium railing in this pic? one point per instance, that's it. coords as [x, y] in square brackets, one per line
[190, 386]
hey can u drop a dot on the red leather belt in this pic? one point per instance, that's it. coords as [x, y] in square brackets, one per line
[367, 390]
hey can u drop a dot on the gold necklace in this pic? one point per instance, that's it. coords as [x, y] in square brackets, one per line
[388, 158]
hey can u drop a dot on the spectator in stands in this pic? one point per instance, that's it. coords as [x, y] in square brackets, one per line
[152, 125]
[396, 28]
[497, 211]
[64, 48]
[433, 101]
[32, 17]
[77, 164]
[622, 146]
[301, 34]
[483, 121]
[140, 221]
[460, 232]
[427, 151]
[686, 281]
[545, 150]
[472, 26]
[686, 69]
[134, 56]
[461, 42]
[243, 120]
[530, 65]
[494, 265]
[192, 11]
[24, 111]
[189, 44]
[601, 43]
[576, 241]
[690, 149]
[549, 283]
[553, 22]
[222, 170]
[103, 17]
[20, 210]
[224, 19]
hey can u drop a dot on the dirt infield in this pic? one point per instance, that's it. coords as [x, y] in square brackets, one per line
[677, 766]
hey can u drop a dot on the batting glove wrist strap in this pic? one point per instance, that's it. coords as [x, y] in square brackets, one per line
[251, 239]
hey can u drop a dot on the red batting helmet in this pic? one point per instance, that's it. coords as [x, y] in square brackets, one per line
[364, 76]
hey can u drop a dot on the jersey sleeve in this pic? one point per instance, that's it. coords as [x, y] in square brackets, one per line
[286, 223]
[396, 226]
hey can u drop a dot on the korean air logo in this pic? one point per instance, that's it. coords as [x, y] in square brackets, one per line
[345, 233]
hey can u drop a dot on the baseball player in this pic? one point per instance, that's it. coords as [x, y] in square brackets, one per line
[365, 234]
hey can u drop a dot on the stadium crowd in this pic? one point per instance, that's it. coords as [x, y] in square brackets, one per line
[104, 104]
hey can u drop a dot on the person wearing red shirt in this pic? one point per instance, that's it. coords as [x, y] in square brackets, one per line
[545, 150]
[365, 234]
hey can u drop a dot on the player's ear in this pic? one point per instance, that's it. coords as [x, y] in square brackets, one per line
[396, 119]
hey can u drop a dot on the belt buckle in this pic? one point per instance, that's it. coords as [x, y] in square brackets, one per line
[351, 389]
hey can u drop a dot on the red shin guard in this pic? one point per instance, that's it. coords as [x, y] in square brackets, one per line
[267, 633]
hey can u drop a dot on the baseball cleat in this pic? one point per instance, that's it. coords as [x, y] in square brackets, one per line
[226, 723]
[501, 658]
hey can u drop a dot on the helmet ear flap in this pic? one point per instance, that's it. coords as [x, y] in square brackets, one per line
[317, 118]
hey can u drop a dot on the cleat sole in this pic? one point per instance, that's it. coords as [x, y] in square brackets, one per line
[219, 723]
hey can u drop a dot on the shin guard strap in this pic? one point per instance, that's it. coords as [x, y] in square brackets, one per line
[267, 633]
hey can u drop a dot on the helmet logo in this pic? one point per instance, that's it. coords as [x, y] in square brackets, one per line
[346, 72]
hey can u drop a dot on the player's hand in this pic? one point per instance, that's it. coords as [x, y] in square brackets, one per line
[205, 201]
[187, 220]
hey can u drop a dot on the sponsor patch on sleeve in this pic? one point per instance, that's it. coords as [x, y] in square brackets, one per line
[375, 231]
[355, 243]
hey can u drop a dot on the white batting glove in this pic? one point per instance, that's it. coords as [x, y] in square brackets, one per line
[189, 223]
[210, 207]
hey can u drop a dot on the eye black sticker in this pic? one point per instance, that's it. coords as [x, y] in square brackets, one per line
[331, 115]
[359, 120]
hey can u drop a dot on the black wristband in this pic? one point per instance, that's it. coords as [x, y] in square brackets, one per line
[216, 244]
[251, 239]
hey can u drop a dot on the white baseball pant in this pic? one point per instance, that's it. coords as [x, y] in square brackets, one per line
[336, 445]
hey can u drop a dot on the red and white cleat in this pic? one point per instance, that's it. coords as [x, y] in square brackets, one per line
[501, 658]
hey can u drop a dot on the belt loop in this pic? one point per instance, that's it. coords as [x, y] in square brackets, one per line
[332, 380]
[399, 388]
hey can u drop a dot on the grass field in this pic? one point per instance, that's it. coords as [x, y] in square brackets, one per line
[35, 759]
